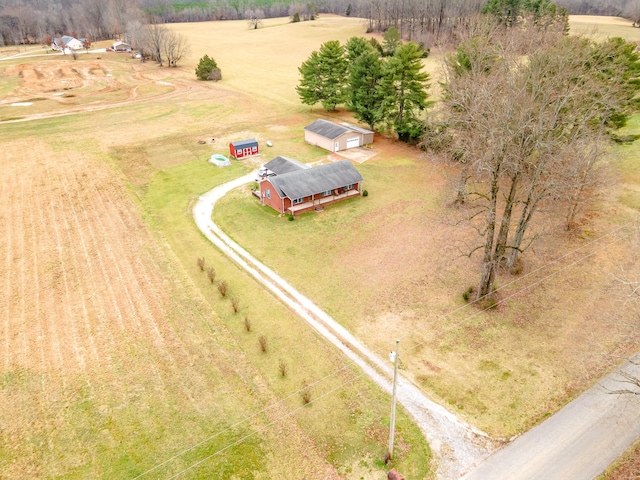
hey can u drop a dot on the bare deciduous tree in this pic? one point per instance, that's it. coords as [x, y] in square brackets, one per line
[155, 39]
[632, 12]
[254, 18]
[529, 132]
[174, 47]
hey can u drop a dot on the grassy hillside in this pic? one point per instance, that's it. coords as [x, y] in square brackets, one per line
[120, 358]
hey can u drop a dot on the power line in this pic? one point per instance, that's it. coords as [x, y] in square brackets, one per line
[273, 422]
[519, 279]
[246, 419]
[527, 287]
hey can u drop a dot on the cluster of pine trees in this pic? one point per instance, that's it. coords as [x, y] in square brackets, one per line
[382, 84]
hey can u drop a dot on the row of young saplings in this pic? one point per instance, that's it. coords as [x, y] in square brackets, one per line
[223, 288]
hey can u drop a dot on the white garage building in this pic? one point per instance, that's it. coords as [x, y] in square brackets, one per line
[335, 137]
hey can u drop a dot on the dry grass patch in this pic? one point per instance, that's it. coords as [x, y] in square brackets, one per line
[601, 27]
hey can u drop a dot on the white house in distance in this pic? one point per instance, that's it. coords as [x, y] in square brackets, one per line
[335, 137]
[66, 42]
[120, 47]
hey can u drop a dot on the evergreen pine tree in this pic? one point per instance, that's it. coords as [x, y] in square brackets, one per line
[403, 89]
[324, 77]
[365, 95]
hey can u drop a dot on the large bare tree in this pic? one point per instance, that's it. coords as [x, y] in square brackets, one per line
[528, 114]
[174, 47]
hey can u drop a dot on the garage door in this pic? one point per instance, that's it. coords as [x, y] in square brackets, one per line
[353, 142]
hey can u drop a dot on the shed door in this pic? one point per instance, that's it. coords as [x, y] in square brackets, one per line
[353, 142]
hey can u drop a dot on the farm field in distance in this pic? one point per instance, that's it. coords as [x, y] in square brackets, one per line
[119, 354]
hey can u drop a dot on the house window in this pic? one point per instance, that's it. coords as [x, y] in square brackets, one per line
[296, 201]
[348, 187]
[327, 193]
[268, 193]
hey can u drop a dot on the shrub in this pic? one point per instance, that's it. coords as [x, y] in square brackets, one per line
[365, 193]
[263, 343]
[235, 304]
[207, 69]
[211, 273]
[222, 288]
[201, 263]
[466, 295]
[305, 393]
[247, 324]
[291, 217]
[296, 17]
[282, 367]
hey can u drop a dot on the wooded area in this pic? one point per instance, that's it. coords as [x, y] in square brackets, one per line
[426, 21]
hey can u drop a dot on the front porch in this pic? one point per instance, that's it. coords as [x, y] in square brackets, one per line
[321, 201]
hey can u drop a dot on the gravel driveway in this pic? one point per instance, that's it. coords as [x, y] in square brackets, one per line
[456, 445]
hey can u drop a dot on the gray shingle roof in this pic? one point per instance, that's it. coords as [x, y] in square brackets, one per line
[280, 165]
[311, 181]
[327, 129]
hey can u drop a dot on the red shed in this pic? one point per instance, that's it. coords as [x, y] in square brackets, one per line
[244, 148]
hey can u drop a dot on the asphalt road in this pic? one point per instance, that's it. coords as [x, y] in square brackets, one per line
[577, 443]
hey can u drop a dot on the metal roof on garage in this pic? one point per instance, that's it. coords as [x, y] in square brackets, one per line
[327, 129]
[311, 181]
[355, 128]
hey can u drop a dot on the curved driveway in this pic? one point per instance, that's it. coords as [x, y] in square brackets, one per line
[456, 445]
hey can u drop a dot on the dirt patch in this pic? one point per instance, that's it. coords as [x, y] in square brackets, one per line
[50, 77]
[358, 155]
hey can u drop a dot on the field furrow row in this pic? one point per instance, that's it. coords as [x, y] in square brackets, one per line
[34, 247]
[8, 223]
[143, 287]
[50, 347]
[64, 283]
[81, 261]
[119, 259]
[23, 286]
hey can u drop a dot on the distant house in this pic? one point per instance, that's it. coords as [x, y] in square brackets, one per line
[120, 47]
[244, 148]
[335, 137]
[306, 189]
[66, 43]
[280, 165]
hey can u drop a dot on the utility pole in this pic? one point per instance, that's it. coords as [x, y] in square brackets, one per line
[394, 357]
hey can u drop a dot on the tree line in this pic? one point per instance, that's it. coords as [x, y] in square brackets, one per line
[382, 84]
[32, 21]
[426, 21]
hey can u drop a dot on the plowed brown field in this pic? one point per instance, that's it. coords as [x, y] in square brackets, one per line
[101, 347]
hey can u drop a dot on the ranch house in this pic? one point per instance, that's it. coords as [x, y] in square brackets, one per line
[66, 42]
[335, 137]
[244, 148]
[307, 189]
